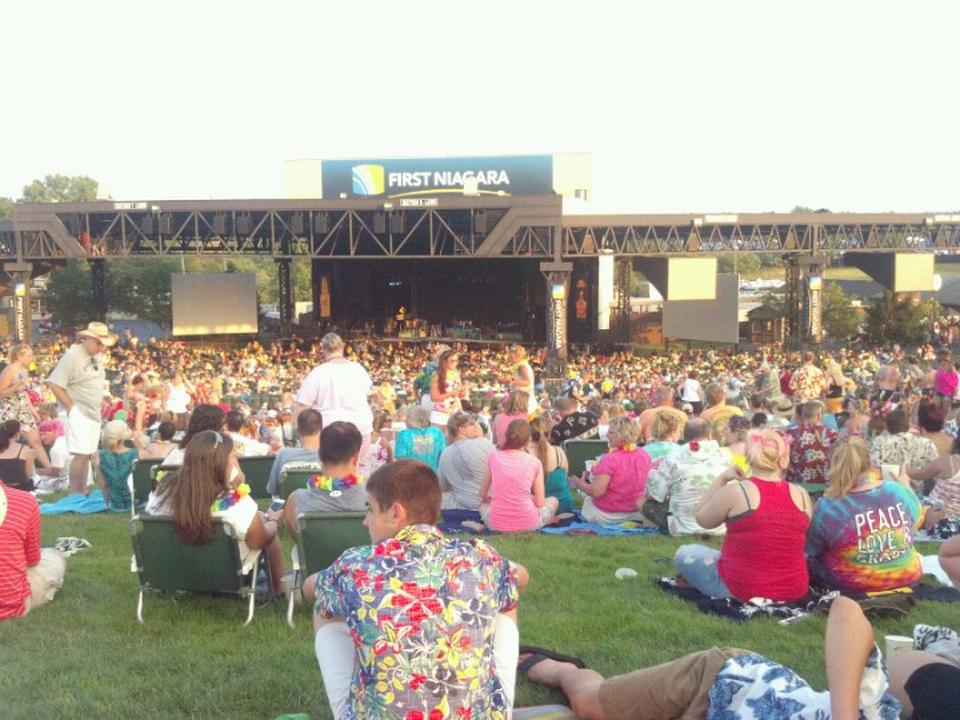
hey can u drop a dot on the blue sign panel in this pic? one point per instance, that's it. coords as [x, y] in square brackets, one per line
[509, 175]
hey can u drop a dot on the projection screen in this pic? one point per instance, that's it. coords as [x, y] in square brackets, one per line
[708, 320]
[214, 304]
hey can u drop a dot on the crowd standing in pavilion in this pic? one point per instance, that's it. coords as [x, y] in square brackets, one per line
[722, 442]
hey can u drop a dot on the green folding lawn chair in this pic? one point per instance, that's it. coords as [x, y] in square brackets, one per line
[323, 536]
[257, 472]
[143, 480]
[295, 476]
[163, 562]
[579, 451]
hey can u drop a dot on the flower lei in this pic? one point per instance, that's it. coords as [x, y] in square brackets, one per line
[334, 486]
[231, 498]
[629, 447]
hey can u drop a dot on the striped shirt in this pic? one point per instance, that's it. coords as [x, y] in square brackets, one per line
[19, 549]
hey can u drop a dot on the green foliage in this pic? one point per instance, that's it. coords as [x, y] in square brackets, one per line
[901, 320]
[141, 287]
[841, 320]
[775, 303]
[61, 188]
[6, 208]
[69, 296]
[746, 264]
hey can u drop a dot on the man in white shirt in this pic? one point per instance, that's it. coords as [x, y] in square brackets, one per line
[78, 382]
[338, 389]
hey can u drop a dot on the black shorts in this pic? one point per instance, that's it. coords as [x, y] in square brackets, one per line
[934, 690]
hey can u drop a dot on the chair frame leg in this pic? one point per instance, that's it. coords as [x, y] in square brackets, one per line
[140, 607]
[253, 600]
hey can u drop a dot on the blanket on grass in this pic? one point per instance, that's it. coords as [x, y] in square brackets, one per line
[452, 521]
[76, 503]
[816, 601]
[579, 527]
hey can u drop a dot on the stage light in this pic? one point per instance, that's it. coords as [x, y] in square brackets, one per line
[480, 222]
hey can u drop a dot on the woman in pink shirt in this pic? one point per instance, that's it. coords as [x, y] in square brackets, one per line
[512, 495]
[946, 380]
[515, 409]
[618, 479]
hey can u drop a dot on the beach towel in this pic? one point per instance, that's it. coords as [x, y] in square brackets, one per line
[75, 503]
[578, 527]
[452, 521]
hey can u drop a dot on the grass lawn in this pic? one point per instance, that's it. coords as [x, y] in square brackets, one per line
[85, 656]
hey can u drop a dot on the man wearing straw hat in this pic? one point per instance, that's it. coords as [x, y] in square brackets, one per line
[78, 382]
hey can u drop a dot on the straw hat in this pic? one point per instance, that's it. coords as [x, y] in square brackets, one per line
[99, 331]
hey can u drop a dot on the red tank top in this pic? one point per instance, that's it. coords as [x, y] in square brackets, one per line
[763, 552]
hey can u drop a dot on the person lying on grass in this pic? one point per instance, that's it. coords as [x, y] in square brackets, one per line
[416, 625]
[722, 683]
[209, 485]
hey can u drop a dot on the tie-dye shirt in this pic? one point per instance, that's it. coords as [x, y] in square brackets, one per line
[863, 542]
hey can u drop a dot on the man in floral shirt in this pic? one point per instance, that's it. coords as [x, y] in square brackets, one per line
[431, 621]
[809, 382]
[810, 442]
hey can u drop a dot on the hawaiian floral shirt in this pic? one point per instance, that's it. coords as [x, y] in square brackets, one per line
[899, 448]
[809, 453]
[421, 610]
[751, 687]
[808, 383]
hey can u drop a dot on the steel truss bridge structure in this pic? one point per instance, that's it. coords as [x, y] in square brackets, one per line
[445, 227]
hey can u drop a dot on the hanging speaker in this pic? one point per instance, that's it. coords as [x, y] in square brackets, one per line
[379, 223]
[296, 224]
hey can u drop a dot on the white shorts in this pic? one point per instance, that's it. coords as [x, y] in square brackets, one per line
[83, 434]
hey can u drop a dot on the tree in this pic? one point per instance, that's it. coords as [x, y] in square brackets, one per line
[141, 287]
[747, 264]
[841, 320]
[69, 295]
[6, 208]
[61, 188]
[904, 321]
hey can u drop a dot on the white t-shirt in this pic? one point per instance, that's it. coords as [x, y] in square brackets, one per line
[239, 516]
[248, 447]
[691, 391]
[174, 458]
[178, 399]
[338, 390]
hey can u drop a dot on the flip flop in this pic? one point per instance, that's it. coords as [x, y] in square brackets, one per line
[538, 655]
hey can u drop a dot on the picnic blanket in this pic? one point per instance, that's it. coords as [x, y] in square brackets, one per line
[757, 607]
[579, 527]
[75, 503]
[815, 601]
[452, 521]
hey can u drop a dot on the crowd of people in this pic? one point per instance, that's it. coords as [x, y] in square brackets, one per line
[814, 470]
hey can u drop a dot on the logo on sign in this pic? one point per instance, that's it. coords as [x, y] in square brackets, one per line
[368, 180]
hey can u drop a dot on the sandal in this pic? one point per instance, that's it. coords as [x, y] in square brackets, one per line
[537, 655]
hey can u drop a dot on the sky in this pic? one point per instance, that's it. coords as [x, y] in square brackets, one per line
[686, 106]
